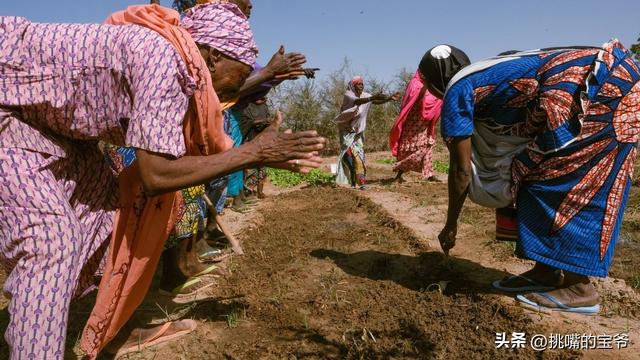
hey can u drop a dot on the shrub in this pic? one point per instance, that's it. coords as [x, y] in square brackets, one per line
[441, 166]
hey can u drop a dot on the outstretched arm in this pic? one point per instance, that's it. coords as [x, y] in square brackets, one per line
[161, 174]
[281, 67]
[383, 99]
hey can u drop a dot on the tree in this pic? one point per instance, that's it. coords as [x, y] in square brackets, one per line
[635, 48]
[313, 104]
[182, 5]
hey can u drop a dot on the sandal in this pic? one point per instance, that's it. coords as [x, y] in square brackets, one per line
[529, 304]
[215, 255]
[196, 287]
[242, 209]
[158, 338]
[533, 286]
[193, 290]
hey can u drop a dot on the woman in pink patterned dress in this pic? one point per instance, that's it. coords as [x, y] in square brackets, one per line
[413, 135]
[64, 87]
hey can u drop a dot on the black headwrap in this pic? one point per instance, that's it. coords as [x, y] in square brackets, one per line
[440, 64]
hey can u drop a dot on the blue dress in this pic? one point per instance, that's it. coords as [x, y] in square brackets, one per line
[580, 108]
[232, 128]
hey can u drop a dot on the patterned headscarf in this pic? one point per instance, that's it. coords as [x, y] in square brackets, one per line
[440, 64]
[224, 27]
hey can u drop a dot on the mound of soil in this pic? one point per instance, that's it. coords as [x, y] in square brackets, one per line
[330, 275]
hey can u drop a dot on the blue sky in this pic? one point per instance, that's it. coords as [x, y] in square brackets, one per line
[382, 37]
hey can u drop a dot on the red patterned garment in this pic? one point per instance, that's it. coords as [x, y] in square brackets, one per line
[415, 148]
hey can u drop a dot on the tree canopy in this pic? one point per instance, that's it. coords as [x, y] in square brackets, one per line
[182, 5]
[635, 48]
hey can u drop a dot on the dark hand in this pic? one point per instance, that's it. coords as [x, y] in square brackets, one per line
[292, 75]
[300, 148]
[395, 97]
[310, 73]
[447, 238]
[296, 73]
[300, 166]
[281, 63]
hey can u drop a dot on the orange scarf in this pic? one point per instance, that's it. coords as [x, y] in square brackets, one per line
[142, 225]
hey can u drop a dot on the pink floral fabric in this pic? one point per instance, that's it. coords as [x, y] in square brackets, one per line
[64, 87]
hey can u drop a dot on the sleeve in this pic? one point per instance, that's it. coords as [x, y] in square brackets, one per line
[160, 99]
[348, 101]
[457, 111]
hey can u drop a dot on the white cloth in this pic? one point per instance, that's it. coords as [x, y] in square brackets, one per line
[353, 118]
[491, 158]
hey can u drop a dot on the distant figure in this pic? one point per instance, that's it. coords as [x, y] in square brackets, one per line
[352, 123]
[413, 135]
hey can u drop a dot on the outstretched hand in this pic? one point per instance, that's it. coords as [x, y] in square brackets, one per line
[298, 150]
[285, 66]
[310, 73]
[296, 73]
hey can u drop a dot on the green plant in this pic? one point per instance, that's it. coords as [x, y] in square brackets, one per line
[284, 178]
[635, 281]
[441, 167]
[319, 178]
[233, 318]
[386, 161]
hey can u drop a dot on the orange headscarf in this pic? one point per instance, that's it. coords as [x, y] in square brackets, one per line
[142, 224]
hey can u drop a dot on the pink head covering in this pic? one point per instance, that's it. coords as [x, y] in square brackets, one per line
[430, 109]
[352, 84]
[357, 80]
[224, 27]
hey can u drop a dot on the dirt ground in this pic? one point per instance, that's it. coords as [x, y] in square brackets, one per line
[340, 274]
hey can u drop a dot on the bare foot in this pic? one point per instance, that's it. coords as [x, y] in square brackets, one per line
[197, 267]
[202, 247]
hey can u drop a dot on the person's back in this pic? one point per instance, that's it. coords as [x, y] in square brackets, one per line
[87, 81]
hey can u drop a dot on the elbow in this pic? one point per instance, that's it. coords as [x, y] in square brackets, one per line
[151, 185]
[152, 174]
[151, 189]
